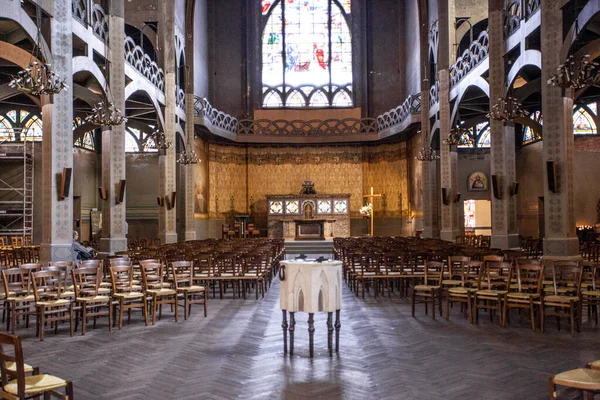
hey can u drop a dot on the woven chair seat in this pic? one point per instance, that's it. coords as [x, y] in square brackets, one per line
[36, 384]
[580, 378]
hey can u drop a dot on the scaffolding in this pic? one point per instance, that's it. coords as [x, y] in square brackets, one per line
[16, 188]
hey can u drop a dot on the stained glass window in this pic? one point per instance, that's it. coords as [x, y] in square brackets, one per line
[24, 115]
[12, 114]
[131, 140]
[529, 135]
[484, 131]
[583, 122]
[32, 130]
[7, 132]
[307, 54]
[469, 213]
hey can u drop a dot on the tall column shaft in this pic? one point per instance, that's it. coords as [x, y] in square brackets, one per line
[113, 139]
[57, 143]
[449, 166]
[167, 230]
[504, 215]
[557, 109]
[189, 223]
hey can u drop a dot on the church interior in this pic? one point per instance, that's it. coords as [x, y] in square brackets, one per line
[404, 173]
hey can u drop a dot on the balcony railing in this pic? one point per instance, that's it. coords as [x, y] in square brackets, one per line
[135, 56]
[217, 118]
[471, 58]
[92, 14]
[396, 116]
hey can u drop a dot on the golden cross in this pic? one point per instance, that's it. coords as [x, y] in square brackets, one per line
[371, 196]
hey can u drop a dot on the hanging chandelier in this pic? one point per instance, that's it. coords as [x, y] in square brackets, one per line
[160, 139]
[507, 109]
[38, 78]
[576, 74]
[105, 113]
[458, 135]
[188, 157]
[427, 154]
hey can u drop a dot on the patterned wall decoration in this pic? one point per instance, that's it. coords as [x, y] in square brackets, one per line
[387, 174]
[201, 178]
[248, 175]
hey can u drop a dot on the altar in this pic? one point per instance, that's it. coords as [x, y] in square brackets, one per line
[308, 215]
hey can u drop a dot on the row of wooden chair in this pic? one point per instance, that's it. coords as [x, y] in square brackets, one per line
[56, 293]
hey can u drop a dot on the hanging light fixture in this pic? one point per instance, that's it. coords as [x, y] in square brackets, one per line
[458, 134]
[507, 109]
[105, 112]
[38, 78]
[160, 139]
[427, 154]
[576, 74]
[188, 157]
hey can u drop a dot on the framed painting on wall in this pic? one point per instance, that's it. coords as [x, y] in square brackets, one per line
[478, 181]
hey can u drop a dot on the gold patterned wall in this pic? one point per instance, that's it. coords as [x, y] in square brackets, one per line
[201, 198]
[386, 171]
[241, 177]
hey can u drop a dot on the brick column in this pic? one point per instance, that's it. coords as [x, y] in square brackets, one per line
[557, 109]
[167, 231]
[113, 138]
[504, 215]
[57, 143]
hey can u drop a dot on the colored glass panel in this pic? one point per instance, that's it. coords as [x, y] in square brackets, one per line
[307, 44]
[469, 207]
[23, 115]
[484, 131]
[272, 48]
[131, 137]
[265, 6]
[33, 129]
[346, 5]
[583, 123]
[7, 132]
[12, 114]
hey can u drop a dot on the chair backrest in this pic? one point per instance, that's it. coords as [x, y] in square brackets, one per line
[89, 263]
[121, 277]
[16, 280]
[566, 275]
[181, 273]
[11, 351]
[433, 272]
[152, 275]
[86, 281]
[591, 275]
[528, 278]
[119, 261]
[494, 274]
[456, 266]
[60, 263]
[48, 284]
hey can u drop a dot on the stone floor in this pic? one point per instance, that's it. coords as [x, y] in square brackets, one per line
[237, 352]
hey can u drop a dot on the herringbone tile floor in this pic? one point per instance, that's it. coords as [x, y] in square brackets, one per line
[237, 353]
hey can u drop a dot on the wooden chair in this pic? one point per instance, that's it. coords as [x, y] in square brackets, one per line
[15, 385]
[18, 296]
[565, 295]
[182, 274]
[48, 290]
[152, 278]
[526, 292]
[465, 292]
[492, 286]
[431, 289]
[584, 379]
[86, 283]
[125, 294]
[590, 289]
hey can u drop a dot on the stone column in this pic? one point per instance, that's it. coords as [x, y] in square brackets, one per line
[189, 223]
[504, 215]
[113, 138]
[428, 169]
[449, 166]
[167, 230]
[57, 143]
[557, 109]
[449, 158]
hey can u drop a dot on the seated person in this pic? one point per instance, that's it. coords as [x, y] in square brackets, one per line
[80, 252]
